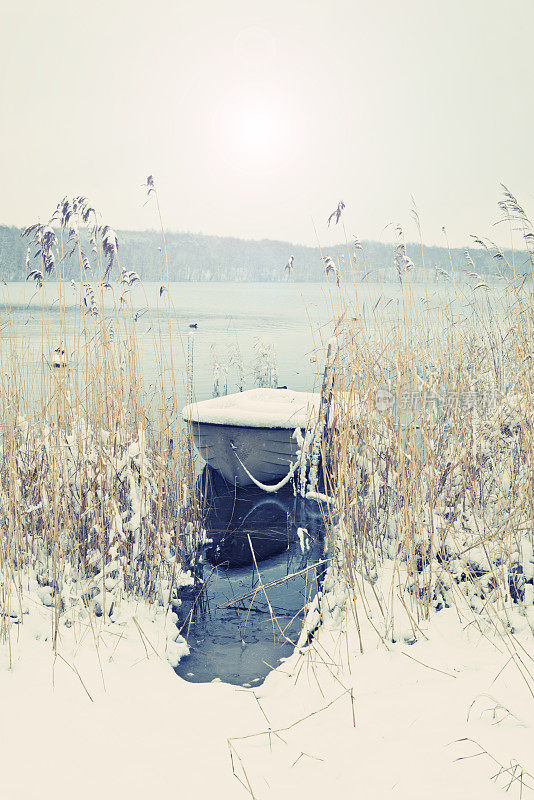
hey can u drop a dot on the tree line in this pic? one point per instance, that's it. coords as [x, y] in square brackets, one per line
[198, 257]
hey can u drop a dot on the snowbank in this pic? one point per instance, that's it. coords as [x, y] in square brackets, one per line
[108, 715]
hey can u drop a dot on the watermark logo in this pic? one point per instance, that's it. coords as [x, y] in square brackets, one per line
[384, 400]
[405, 401]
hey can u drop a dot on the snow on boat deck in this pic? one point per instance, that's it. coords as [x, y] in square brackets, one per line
[258, 408]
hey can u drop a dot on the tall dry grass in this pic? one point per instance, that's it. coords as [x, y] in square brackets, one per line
[98, 498]
[429, 462]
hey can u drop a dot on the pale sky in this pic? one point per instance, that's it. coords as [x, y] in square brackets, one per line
[256, 118]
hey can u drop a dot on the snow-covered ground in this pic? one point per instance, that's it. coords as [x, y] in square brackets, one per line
[108, 717]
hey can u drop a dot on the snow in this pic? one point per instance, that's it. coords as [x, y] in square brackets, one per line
[302, 534]
[258, 408]
[107, 716]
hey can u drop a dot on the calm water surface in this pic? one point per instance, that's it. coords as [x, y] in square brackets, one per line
[293, 320]
[237, 631]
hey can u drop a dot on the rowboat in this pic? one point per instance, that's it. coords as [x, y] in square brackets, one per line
[251, 437]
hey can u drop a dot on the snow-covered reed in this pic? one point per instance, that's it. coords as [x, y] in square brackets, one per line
[98, 500]
[430, 461]
[265, 372]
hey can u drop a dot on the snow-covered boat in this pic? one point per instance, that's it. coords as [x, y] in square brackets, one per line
[251, 435]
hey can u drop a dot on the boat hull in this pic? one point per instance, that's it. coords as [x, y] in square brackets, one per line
[267, 453]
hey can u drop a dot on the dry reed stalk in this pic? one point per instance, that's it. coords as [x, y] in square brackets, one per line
[98, 496]
[440, 490]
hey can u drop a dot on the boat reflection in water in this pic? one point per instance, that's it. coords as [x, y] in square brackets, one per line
[253, 542]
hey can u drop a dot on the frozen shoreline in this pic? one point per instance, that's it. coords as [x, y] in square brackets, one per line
[116, 720]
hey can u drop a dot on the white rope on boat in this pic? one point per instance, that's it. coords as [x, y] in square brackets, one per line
[319, 497]
[264, 486]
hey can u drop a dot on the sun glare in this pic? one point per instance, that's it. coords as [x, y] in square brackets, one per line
[254, 136]
[256, 130]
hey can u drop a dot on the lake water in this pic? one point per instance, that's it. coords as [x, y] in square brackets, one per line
[295, 321]
[237, 631]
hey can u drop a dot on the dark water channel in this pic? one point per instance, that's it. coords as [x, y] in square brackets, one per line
[236, 631]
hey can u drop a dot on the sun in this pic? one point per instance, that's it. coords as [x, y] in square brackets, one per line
[256, 130]
[254, 134]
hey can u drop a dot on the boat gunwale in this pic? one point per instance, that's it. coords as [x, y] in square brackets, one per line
[194, 424]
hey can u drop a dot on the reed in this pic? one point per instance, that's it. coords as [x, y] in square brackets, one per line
[429, 462]
[98, 497]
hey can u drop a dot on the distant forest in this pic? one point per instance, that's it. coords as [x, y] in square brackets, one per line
[195, 257]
